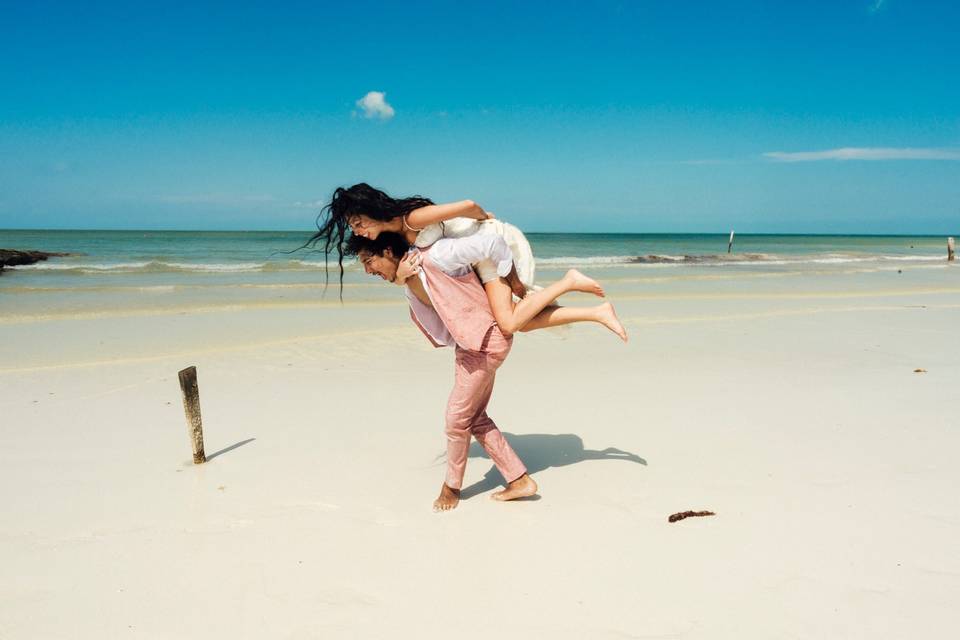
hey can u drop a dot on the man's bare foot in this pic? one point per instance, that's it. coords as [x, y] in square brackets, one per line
[520, 488]
[607, 316]
[448, 499]
[579, 282]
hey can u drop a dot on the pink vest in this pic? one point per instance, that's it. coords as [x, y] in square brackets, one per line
[461, 302]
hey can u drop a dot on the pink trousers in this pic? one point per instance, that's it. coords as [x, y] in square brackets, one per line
[467, 411]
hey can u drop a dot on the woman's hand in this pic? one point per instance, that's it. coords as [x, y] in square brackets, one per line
[408, 266]
[481, 214]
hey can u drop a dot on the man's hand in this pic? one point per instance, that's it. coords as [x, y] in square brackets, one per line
[408, 266]
[518, 288]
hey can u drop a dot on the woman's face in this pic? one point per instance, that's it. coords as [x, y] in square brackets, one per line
[365, 226]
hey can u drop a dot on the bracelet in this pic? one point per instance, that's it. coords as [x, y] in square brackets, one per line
[408, 227]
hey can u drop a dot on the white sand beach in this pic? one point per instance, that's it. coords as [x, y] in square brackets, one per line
[787, 405]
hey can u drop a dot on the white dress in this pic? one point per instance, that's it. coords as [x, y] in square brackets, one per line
[486, 269]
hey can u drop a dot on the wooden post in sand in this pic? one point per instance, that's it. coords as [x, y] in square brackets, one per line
[730, 243]
[191, 406]
[950, 247]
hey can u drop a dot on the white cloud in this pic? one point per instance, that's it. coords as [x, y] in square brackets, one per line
[375, 105]
[864, 153]
[876, 6]
[315, 204]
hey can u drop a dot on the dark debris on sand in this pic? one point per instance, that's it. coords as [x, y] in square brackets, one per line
[689, 514]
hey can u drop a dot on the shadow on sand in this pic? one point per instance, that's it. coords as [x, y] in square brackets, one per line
[541, 451]
[236, 445]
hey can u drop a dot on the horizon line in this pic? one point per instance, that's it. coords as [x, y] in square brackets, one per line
[578, 233]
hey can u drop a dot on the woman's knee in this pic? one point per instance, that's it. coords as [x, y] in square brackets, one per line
[505, 321]
[508, 328]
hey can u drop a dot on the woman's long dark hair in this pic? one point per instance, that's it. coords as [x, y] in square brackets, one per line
[359, 199]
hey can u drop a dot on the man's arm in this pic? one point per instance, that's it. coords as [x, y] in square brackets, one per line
[413, 316]
[455, 255]
[427, 320]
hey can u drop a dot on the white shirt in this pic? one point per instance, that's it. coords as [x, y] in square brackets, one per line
[455, 257]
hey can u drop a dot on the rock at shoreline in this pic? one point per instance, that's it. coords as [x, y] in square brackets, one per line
[13, 258]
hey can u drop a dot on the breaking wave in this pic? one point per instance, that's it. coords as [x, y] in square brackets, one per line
[729, 259]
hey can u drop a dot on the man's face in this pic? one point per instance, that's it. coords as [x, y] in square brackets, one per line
[384, 266]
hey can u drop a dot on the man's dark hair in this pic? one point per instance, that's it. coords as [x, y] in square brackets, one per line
[386, 240]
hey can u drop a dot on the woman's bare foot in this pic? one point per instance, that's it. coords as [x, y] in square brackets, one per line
[448, 499]
[579, 282]
[607, 316]
[520, 488]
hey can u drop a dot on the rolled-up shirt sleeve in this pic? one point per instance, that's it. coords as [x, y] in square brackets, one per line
[456, 255]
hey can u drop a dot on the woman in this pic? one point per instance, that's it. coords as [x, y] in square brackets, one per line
[367, 212]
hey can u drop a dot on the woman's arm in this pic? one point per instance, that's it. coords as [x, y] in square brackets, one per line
[420, 218]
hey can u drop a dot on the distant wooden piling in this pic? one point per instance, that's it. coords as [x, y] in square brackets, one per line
[730, 243]
[191, 406]
[950, 248]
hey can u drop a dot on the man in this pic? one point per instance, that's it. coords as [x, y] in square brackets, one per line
[450, 306]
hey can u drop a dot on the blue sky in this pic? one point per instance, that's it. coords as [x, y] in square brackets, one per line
[821, 117]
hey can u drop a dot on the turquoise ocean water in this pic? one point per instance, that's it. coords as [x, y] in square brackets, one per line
[147, 270]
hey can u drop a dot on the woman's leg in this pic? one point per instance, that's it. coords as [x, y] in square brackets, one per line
[513, 317]
[554, 316]
[551, 316]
